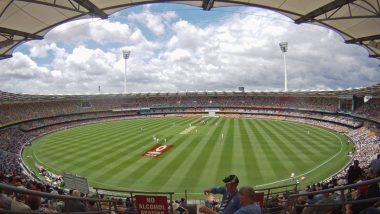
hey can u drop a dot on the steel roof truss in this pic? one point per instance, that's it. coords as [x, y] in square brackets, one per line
[335, 5]
[20, 33]
[363, 39]
[74, 7]
[92, 8]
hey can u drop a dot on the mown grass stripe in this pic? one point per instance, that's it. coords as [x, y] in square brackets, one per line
[90, 129]
[279, 147]
[173, 162]
[299, 146]
[224, 167]
[93, 137]
[184, 159]
[152, 166]
[250, 155]
[259, 145]
[133, 150]
[316, 141]
[96, 152]
[315, 133]
[211, 156]
[296, 160]
[313, 141]
[240, 158]
[78, 151]
[276, 164]
[194, 161]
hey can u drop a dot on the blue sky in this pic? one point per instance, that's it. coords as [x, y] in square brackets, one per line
[179, 48]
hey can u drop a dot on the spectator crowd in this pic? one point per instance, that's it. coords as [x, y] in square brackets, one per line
[44, 117]
[15, 112]
[366, 166]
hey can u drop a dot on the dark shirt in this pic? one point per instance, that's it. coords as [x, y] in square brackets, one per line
[373, 191]
[75, 206]
[357, 208]
[231, 200]
[375, 166]
[130, 210]
[353, 174]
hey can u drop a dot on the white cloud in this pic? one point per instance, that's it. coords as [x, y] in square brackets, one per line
[96, 30]
[156, 22]
[237, 51]
[178, 55]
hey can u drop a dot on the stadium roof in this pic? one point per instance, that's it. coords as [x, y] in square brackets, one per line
[357, 21]
[6, 97]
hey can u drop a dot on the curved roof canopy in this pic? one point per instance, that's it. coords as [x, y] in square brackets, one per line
[357, 21]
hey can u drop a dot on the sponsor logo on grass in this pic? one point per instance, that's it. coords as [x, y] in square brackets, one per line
[157, 150]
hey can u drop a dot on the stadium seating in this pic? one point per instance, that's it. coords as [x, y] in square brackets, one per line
[20, 122]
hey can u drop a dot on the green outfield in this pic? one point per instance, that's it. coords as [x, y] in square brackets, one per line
[261, 152]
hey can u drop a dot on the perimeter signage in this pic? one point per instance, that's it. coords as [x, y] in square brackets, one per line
[76, 182]
[152, 204]
[157, 150]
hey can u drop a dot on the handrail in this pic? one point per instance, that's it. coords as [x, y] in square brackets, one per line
[276, 187]
[341, 203]
[10, 188]
[291, 201]
[350, 186]
[134, 191]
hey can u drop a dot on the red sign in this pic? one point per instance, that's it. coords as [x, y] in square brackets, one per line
[152, 204]
[259, 198]
[157, 150]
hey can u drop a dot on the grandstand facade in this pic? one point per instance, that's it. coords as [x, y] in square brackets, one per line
[24, 109]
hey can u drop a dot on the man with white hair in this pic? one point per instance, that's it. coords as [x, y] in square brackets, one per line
[75, 205]
[248, 205]
[18, 203]
[5, 202]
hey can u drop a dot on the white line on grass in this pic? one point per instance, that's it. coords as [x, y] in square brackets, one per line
[42, 163]
[305, 173]
[315, 168]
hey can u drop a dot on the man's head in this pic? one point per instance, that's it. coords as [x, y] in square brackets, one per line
[5, 202]
[92, 203]
[356, 163]
[231, 182]
[34, 202]
[20, 196]
[247, 195]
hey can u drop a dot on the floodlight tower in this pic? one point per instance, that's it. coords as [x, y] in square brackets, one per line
[284, 49]
[126, 54]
